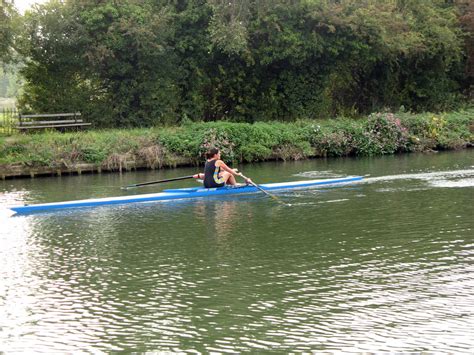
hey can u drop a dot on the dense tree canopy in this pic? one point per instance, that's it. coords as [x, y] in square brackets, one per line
[466, 8]
[130, 62]
[8, 16]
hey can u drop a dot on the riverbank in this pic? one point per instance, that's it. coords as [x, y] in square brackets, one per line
[161, 147]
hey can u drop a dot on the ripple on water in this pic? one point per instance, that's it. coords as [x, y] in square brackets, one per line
[458, 183]
[345, 271]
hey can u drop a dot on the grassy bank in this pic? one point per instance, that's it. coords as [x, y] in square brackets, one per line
[380, 133]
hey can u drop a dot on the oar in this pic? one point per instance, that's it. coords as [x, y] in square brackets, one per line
[258, 187]
[157, 182]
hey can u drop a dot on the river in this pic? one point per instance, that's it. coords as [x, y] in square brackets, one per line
[382, 265]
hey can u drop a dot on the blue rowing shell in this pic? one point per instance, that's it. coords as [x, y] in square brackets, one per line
[176, 194]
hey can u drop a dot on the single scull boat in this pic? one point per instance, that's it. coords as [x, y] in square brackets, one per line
[186, 193]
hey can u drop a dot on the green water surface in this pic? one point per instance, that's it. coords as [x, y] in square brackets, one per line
[381, 265]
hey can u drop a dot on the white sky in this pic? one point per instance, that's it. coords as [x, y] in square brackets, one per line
[22, 5]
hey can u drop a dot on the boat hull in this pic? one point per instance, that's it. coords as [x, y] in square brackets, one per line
[177, 194]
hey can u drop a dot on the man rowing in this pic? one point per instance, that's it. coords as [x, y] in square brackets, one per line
[216, 172]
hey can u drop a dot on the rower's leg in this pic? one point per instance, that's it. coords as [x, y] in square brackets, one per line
[228, 178]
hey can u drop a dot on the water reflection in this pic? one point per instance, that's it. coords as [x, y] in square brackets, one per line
[385, 266]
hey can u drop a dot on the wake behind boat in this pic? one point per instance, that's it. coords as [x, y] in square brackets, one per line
[177, 194]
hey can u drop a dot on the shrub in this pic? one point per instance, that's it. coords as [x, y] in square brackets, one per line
[255, 152]
[384, 134]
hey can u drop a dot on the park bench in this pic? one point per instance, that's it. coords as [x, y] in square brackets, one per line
[55, 120]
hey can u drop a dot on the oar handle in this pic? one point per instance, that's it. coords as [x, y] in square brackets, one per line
[243, 176]
[249, 180]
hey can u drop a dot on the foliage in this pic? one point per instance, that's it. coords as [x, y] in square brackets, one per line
[8, 29]
[449, 131]
[385, 135]
[53, 68]
[380, 133]
[141, 63]
[466, 10]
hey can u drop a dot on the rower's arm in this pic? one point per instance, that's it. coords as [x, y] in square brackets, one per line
[234, 172]
[224, 167]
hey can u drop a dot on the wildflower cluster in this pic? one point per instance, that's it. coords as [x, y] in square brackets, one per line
[384, 134]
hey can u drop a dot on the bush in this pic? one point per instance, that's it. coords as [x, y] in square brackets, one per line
[384, 134]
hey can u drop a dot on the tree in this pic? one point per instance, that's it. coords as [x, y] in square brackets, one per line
[8, 23]
[108, 60]
[130, 59]
[466, 9]
[53, 63]
[146, 62]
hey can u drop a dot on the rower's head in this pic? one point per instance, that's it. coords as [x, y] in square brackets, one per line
[213, 153]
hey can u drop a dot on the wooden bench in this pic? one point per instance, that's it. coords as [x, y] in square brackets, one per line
[54, 120]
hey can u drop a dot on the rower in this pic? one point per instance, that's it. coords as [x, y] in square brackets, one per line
[216, 172]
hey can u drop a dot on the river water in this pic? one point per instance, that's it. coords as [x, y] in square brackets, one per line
[381, 265]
